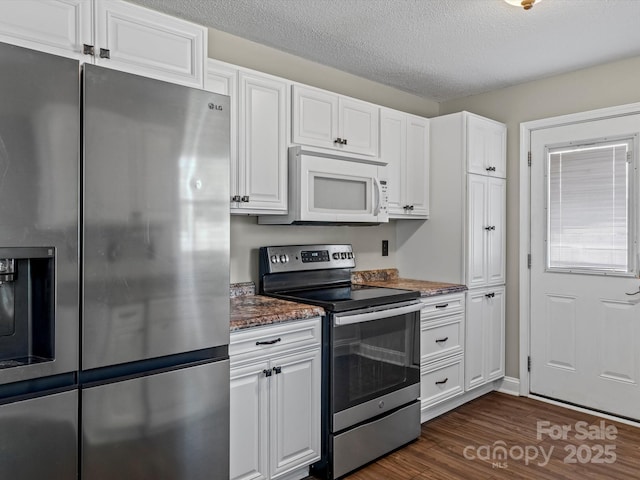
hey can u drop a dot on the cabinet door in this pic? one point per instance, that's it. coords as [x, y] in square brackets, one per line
[477, 231]
[393, 151]
[417, 166]
[144, 42]
[494, 318]
[262, 154]
[486, 147]
[60, 27]
[474, 351]
[358, 125]
[295, 411]
[223, 79]
[249, 422]
[315, 117]
[496, 238]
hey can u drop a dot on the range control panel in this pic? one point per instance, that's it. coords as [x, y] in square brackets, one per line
[292, 258]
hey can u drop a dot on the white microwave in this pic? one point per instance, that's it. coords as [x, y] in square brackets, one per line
[333, 189]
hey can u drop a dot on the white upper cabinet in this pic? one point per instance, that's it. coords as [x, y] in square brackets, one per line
[486, 147]
[259, 125]
[328, 120]
[60, 27]
[404, 145]
[111, 33]
[145, 42]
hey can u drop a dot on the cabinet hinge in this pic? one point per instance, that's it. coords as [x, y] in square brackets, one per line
[529, 363]
[528, 260]
[529, 159]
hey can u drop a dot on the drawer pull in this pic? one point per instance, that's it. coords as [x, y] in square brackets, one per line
[441, 340]
[268, 342]
[442, 382]
[442, 305]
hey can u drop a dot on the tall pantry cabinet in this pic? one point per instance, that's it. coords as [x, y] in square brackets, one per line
[464, 239]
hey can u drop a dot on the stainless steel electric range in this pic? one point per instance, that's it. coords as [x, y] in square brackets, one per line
[370, 353]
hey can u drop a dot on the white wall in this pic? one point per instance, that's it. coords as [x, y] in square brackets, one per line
[246, 235]
[598, 87]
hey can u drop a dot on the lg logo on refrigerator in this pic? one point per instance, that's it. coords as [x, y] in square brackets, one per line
[213, 106]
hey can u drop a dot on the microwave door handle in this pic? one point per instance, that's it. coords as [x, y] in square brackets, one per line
[376, 182]
[347, 319]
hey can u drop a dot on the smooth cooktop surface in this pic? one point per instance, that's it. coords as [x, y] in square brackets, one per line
[349, 297]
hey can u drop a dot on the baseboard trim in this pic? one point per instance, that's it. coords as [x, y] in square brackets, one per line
[510, 386]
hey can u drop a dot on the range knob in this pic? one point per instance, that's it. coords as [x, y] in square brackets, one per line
[336, 256]
[274, 259]
[284, 259]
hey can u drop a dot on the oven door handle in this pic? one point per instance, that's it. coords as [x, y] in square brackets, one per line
[348, 319]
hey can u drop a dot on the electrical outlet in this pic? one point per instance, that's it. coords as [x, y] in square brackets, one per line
[385, 248]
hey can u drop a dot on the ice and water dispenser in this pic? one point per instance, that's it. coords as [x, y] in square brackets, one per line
[27, 306]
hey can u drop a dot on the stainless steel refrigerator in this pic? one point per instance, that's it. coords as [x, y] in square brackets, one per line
[128, 226]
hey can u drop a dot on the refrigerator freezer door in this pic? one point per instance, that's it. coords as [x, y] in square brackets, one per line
[39, 192]
[39, 438]
[169, 426]
[156, 220]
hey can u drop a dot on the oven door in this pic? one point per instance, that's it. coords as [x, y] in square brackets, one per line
[375, 362]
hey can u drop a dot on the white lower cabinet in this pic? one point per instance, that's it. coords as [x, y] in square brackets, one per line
[275, 400]
[441, 349]
[484, 347]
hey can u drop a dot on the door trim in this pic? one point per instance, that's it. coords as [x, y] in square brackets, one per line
[526, 128]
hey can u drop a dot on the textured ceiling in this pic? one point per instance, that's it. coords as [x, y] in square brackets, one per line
[438, 49]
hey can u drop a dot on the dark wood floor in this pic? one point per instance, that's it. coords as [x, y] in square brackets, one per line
[465, 444]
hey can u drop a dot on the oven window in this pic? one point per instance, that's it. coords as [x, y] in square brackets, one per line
[374, 358]
[339, 194]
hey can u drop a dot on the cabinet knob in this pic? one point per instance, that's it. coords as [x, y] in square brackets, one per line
[277, 370]
[105, 53]
[490, 169]
[245, 199]
[235, 198]
[490, 295]
[490, 228]
[267, 373]
[338, 141]
[344, 142]
[411, 207]
[88, 49]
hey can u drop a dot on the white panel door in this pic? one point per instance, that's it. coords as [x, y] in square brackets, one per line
[315, 117]
[358, 125]
[494, 319]
[585, 311]
[144, 42]
[393, 151]
[249, 422]
[60, 27]
[486, 147]
[474, 350]
[262, 154]
[496, 235]
[417, 170]
[477, 231]
[223, 79]
[295, 411]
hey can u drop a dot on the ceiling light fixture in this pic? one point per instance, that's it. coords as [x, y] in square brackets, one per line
[526, 4]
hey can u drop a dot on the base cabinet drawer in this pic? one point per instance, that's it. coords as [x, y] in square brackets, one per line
[441, 380]
[441, 338]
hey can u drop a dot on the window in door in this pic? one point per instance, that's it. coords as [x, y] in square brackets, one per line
[590, 208]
